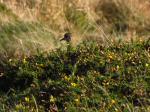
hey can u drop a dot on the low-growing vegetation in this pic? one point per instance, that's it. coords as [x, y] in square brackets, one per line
[91, 77]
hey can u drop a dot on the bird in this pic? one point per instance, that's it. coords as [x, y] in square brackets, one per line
[67, 37]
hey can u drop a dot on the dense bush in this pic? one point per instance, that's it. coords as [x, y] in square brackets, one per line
[89, 77]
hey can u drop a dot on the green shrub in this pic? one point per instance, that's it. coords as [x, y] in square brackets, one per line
[89, 77]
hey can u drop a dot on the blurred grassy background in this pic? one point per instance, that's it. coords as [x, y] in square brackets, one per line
[28, 25]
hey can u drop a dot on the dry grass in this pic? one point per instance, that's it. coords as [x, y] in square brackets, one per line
[97, 19]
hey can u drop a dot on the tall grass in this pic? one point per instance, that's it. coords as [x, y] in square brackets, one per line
[39, 23]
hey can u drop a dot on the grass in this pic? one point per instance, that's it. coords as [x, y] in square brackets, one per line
[33, 24]
[89, 77]
[19, 38]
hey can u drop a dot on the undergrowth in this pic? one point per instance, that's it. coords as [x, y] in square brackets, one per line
[90, 77]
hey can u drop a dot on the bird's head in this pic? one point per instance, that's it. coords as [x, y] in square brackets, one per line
[67, 37]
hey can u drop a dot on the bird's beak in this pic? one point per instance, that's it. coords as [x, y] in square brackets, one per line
[61, 39]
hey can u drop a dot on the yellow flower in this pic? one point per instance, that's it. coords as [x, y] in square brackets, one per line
[110, 56]
[113, 101]
[76, 100]
[146, 64]
[118, 67]
[52, 99]
[73, 84]
[67, 78]
[24, 61]
[107, 83]
[116, 109]
[41, 65]
[19, 106]
[27, 99]
[10, 60]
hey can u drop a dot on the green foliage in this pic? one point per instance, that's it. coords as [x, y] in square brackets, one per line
[89, 77]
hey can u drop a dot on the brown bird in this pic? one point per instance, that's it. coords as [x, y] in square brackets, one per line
[67, 37]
